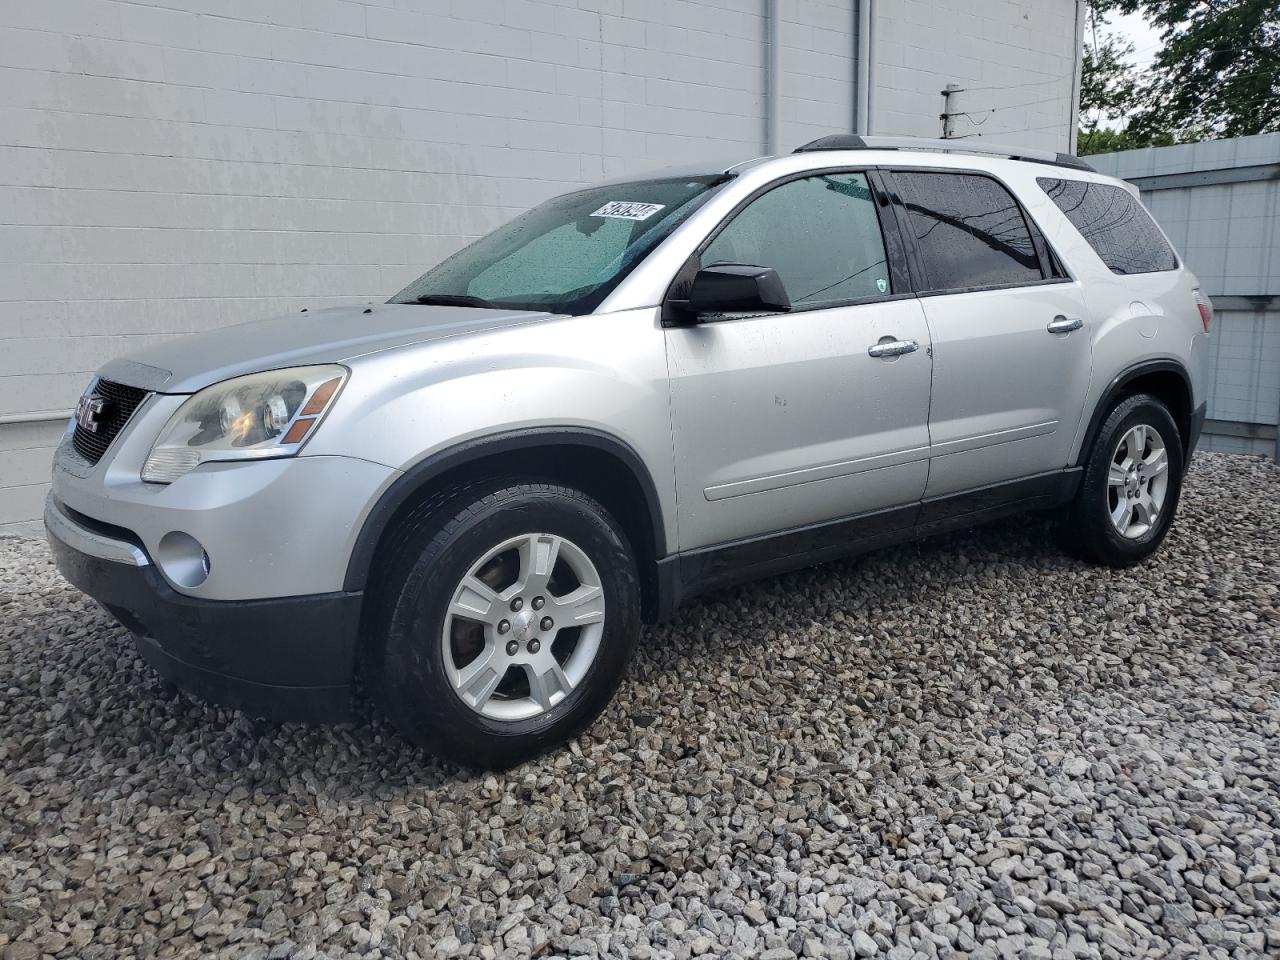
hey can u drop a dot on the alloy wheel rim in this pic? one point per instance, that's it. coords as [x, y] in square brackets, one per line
[1137, 481]
[523, 627]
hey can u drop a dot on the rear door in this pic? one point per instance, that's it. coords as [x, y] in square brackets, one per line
[1011, 347]
[791, 419]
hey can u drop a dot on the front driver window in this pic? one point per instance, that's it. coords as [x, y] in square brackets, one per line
[820, 234]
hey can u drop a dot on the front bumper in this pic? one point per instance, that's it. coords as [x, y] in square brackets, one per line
[289, 658]
[269, 528]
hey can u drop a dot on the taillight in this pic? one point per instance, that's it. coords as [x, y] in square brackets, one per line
[1205, 305]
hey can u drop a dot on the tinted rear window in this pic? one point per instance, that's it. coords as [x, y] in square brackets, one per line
[969, 230]
[1115, 224]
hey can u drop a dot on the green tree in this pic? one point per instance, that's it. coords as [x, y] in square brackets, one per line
[1108, 88]
[1216, 74]
[1106, 140]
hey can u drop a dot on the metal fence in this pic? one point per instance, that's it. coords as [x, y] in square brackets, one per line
[1219, 202]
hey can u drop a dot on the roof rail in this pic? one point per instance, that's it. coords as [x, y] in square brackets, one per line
[849, 141]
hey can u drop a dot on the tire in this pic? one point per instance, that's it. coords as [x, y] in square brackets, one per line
[1091, 529]
[427, 683]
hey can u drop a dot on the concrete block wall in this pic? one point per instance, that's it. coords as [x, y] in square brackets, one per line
[168, 166]
[819, 43]
[1016, 60]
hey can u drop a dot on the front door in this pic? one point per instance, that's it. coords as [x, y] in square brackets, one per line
[791, 419]
[1011, 348]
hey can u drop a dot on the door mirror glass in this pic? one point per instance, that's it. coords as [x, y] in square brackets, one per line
[737, 288]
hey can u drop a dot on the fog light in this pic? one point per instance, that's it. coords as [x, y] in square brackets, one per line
[183, 559]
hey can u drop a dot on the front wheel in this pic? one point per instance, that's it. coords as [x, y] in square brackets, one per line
[514, 611]
[1131, 485]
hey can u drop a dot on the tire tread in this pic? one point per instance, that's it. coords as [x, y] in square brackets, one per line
[1087, 533]
[410, 559]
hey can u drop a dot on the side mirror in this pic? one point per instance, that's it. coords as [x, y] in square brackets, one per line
[736, 288]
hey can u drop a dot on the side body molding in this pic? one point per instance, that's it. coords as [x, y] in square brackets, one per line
[421, 474]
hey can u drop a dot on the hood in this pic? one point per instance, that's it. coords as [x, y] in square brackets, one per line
[331, 335]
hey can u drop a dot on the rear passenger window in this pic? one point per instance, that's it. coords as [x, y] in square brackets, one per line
[1114, 223]
[969, 231]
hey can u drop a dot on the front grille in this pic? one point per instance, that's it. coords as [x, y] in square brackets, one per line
[119, 403]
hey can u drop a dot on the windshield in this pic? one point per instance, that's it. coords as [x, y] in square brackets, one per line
[564, 255]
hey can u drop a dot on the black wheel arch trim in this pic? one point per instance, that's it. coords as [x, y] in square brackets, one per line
[1116, 389]
[416, 477]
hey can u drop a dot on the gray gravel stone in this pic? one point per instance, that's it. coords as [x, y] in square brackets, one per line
[972, 746]
[863, 945]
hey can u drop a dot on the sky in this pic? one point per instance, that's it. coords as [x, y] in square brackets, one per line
[1144, 38]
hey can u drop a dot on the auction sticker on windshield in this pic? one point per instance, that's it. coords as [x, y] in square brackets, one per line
[628, 210]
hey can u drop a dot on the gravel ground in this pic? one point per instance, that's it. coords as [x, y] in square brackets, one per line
[971, 746]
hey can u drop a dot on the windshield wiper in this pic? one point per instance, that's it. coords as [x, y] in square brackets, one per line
[452, 300]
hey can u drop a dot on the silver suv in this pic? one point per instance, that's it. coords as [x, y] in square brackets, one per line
[472, 495]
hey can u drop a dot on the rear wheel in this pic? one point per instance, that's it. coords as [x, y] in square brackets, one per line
[512, 612]
[1131, 485]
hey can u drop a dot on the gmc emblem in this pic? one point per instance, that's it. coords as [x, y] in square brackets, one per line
[89, 412]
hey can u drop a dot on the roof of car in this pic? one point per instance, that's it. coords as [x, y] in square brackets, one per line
[846, 141]
[853, 142]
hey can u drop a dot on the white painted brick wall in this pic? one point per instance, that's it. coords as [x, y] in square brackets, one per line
[168, 166]
[24, 474]
[819, 64]
[1015, 60]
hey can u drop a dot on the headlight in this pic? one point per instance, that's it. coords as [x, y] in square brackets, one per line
[256, 417]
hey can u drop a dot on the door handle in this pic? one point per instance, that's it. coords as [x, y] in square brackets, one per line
[888, 347]
[1061, 324]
